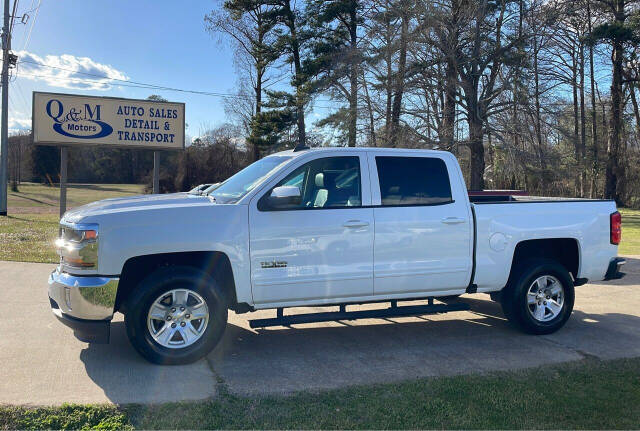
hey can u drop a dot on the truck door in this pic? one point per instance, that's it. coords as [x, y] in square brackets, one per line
[318, 249]
[423, 236]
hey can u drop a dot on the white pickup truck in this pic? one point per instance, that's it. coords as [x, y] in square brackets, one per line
[323, 227]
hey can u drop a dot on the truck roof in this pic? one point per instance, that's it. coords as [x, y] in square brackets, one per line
[360, 149]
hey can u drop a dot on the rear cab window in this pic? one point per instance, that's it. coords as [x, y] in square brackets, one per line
[408, 181]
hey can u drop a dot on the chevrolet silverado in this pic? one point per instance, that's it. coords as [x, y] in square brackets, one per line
[323, 227]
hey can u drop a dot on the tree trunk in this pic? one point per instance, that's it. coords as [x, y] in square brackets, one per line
[354, 59]
[388, 81]
[372, 125]
[583, 126]
[605, 125]
[298, 79]
[594, 120]
[399, 81]
[476, 174]
[614, 168]
[449, 108]
[518, 79]
[259, 72]
[576, 118]
[450, 80]
[538, 121]
[636, 112]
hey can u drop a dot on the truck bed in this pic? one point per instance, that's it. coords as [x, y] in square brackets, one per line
[500, 225]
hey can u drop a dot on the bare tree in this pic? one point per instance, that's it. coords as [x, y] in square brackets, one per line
[251, 33]
[485, 44]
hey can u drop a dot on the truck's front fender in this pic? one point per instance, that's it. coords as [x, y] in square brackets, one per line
[202, 227]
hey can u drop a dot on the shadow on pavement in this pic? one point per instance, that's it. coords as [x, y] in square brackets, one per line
[307, 358]
[125, 377]
[338, 354]
[632, 274]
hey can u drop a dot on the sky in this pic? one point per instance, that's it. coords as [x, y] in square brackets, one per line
[158, 42]
[161, 42]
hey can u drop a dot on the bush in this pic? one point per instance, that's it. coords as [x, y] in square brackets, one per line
[67, 417]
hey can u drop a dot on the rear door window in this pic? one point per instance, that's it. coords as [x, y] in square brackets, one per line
[413, 181]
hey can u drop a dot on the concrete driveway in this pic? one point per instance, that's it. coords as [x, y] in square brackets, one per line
[42, 363]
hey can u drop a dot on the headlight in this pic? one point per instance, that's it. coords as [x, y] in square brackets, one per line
[78, 246]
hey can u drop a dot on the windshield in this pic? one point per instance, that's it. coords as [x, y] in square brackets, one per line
[234, 188]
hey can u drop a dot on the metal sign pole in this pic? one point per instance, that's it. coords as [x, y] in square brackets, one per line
[156, 172]
[63, 180]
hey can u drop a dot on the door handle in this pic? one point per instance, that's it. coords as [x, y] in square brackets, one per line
[355, 223]
[453, 220]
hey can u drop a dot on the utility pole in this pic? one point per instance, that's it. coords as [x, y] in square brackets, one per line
[6, 46]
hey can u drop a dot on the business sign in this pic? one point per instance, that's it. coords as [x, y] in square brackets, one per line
[69, 119]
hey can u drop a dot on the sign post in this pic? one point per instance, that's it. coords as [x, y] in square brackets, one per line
[69, 120]
[156, 172]
[64, 156]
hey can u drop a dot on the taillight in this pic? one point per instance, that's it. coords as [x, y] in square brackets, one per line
[616, 228]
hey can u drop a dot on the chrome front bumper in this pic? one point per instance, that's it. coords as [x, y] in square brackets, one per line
[85, 304]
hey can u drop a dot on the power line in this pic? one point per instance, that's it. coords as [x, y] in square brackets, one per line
[33, 23]
[132, 84]
[128, 82]
[145, 85]
[12, 105]
[137, 84]
[24, 99]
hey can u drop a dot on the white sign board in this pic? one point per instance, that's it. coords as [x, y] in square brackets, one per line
[68, 119]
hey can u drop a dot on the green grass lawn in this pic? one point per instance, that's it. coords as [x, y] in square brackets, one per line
[630, 232]
[29, 237]
[27, 234]
[579, 395]
[40, 197]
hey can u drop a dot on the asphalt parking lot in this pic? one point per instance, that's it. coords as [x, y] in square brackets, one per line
[42, 363]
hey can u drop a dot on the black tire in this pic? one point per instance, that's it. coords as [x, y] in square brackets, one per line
[514, 298]
[164, 280]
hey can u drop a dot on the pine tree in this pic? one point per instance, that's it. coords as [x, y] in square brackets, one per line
[335, 57]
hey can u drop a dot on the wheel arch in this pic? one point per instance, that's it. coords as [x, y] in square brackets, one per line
[565, 251]
[214, 263]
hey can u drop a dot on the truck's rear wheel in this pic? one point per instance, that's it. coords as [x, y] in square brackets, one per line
[176, 315]
[539, 296]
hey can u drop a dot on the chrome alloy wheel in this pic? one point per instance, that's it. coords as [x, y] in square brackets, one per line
[178, 318]
[545, 298]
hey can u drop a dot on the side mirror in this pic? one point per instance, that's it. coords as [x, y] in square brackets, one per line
[285, 196]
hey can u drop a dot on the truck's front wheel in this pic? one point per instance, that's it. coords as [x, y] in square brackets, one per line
[539, 297]
[176, 315]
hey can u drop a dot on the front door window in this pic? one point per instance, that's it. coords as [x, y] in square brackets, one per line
[331, 182]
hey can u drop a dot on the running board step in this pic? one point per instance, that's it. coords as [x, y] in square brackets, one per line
[393, 311]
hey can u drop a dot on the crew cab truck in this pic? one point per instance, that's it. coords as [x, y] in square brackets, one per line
[323, 227]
